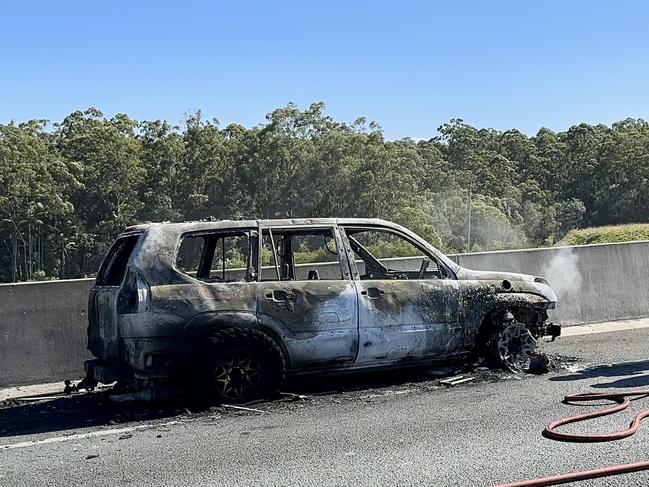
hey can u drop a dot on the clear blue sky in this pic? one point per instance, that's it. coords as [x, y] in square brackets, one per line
[408, 65]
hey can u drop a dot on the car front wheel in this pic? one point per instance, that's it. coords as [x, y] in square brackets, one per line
[514, 347]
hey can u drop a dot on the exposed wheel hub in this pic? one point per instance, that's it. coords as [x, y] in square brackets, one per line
[237, 374]
[515, 347]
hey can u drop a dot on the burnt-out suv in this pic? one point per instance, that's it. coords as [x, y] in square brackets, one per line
[226, 309]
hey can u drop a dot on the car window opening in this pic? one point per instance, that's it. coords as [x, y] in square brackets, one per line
[299, 255]
[113, 268]
[381, 254]
[217, 257]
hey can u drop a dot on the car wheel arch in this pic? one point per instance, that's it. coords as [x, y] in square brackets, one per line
[488, 323]
[206, 324]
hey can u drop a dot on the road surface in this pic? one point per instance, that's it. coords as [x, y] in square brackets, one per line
[383, 429]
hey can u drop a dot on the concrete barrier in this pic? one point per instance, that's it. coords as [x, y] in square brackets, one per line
[43, 331]
[43, 324]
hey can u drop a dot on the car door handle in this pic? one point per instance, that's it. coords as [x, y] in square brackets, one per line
[372, 292]
[279, 296]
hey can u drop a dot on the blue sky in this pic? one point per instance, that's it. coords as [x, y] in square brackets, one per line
[411, 66]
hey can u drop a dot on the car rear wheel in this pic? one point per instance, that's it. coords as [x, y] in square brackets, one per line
[235, 365]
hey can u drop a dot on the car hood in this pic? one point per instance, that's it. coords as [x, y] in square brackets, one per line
[521, 283]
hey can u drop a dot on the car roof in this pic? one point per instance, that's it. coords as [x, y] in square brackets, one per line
[279, 222]
[181, 228]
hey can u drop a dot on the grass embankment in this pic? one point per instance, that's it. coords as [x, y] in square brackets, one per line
[610, 234]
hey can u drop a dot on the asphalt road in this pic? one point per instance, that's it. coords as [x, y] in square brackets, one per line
[385, 429]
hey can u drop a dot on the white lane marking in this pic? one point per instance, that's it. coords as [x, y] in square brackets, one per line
[80, 436]
[607, 327]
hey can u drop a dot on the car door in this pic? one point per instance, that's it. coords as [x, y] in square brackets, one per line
[409, 303]
[306, 295]
[103, 333]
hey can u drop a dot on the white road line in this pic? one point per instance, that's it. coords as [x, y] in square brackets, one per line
[607, 327]
[81, 436]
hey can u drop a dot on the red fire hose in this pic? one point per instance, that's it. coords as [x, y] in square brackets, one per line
[623, 401]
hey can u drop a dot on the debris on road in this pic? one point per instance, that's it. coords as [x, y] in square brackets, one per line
[294, 397]
[90, 457]
[456, 380]
[36, 398]
[539, 364]
[243, 408]
[450, 379]
[69, 388]
[462, 381]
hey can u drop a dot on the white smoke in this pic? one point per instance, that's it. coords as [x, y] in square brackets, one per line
[562, 272]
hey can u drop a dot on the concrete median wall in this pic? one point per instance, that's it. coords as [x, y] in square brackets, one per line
[43, 324]
[43, 331]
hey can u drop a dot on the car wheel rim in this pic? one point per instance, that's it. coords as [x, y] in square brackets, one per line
[516, 346]
[237, 374]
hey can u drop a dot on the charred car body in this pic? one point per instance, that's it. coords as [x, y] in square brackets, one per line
[228, 308]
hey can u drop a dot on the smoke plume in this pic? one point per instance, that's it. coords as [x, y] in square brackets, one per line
[562, 272]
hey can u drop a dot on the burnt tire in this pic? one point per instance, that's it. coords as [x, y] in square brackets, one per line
[513, 348]
[234, 366]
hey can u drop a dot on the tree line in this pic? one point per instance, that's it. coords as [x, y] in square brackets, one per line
[68, 188]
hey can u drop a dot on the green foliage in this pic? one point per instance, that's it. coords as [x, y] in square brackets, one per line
[398, 248]
[304, 256]
[607, 234]
[69, 188]
[234, 259]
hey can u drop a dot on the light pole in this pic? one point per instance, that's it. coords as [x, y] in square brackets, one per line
[468, 238]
